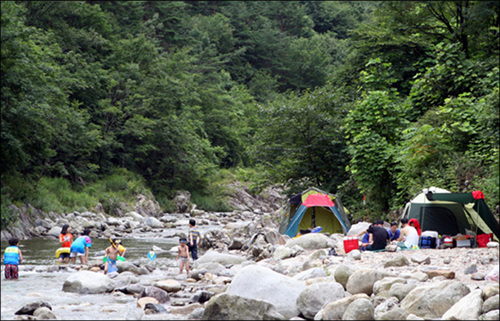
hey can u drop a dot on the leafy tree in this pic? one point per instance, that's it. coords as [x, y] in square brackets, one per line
[302, 143]
[372, 128]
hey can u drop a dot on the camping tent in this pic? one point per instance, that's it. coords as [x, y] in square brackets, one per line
[451, 213]
[313, 208]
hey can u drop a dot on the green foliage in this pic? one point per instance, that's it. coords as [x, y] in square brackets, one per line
[302, 143]
[105, 99]
[7, 214]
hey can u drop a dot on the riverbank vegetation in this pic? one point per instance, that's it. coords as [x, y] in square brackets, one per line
[104, 99]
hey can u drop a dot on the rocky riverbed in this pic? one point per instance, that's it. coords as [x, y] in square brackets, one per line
[247, 270]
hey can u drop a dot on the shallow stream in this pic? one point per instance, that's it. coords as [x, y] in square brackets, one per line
[35, 283]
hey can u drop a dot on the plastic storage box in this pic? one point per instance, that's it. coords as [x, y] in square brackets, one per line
[350, 243]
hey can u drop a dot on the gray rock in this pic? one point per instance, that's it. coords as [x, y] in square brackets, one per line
[154, 292]
[335, 310]
[394, 314]
[385, 306]
[153, 222]
[492, 315]
[471, 269]
[314, 297]
[85, 282]
[312, 241]
[468, 308]
[431, 301]
[343, 273]
[400, 291]
[360, 309]
[31, 307]
[491, 304]
[420, 258]
[399, 260]
[227, 306]
[384, 285]
[362, 281]
[261, 283]
[221, 258]
[44, 313]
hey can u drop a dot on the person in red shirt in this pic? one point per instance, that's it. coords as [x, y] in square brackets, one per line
[65, 238]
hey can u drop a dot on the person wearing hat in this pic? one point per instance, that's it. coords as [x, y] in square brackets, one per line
[121, 248]
[111, 254]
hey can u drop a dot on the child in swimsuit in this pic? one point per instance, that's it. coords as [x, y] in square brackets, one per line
[183, 254]
[111, 255]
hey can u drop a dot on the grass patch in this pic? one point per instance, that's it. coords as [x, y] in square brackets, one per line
[59, 195]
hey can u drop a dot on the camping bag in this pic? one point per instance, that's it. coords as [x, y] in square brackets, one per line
[483, 239]
[350, 243]
[427, 242]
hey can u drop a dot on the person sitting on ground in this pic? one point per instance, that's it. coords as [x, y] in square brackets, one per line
[366, 237]
[394, 232]
[378, 237]
[111, 254]
[414, 222]
[409, 236]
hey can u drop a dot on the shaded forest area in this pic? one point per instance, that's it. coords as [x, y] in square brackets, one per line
[381, 98]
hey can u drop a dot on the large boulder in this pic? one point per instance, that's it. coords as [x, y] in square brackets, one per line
[312, 241]
[153, 222]
[360, 309]
[336, 309]
[222, 258]
[261, 283]
[468, 308]
[317, 295]
[358, 228]
[86, 282]
[431, 301]
[182, 201]
[227, 306]
[362, 281]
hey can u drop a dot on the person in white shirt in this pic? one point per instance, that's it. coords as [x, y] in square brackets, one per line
[409, 235]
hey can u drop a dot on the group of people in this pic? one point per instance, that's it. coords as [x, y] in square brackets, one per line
[79, 247]
[185, 248]
[71, 249]
[376, 237]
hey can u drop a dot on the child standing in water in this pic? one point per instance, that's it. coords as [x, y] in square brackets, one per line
[183, 253]
[194, 239]
[11, 258]
[65, 238]
[112, 253]
[80, 247]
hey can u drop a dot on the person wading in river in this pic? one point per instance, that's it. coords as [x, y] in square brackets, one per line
[11, 258]
[80, 247]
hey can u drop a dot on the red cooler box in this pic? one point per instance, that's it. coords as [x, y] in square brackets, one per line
[350, 243]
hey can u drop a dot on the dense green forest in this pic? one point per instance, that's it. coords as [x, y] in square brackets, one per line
[381, 98]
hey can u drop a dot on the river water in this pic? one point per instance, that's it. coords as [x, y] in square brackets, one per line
[35, 283]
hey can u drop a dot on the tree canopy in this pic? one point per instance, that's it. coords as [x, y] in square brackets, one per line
[381, 98]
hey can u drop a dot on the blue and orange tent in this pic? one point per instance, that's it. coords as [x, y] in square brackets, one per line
[311, 209]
